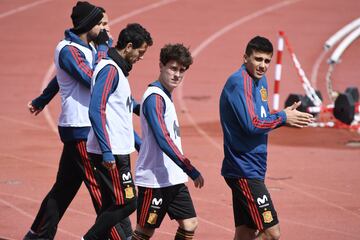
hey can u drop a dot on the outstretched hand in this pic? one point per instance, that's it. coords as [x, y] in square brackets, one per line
[199, 182]
[295, 118]
[33, 110]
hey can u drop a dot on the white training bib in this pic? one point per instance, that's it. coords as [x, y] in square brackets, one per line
[75, 97]
[154, 168]
[118, 112]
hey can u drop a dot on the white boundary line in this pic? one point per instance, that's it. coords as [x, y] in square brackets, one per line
[23, 123]
[22, 8]
[24, 213]
[28, 160]
[17, 196]
[316, 67]
[141, 10]
[353, 213]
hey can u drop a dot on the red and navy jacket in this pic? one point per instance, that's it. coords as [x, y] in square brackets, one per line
[246, 121]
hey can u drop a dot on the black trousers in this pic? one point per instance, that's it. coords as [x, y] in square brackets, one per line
[119, 195]
[74, 168]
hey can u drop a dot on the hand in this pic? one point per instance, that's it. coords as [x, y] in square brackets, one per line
[295, 118]
[199, 182]
[102, 37]
[33, 110]
[109, 165]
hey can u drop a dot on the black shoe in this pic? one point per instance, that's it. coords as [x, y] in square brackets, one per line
[32, 236]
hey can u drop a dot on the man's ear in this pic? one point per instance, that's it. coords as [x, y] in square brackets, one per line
[129, 46]
[245, 58]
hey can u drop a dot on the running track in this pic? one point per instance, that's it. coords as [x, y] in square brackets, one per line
[313, 176]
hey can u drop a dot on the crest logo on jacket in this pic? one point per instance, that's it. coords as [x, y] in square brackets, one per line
[263, 93]
[176, 129]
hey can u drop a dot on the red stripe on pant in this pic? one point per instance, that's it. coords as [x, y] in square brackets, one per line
[114, 234]
[117, 186]
[145, 206]
[253, 209]
[94, 187]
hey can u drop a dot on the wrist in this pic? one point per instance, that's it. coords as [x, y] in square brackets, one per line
[108, 157]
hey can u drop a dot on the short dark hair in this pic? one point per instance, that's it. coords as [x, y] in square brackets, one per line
[177, 52]
[259, 44]
[134, 33]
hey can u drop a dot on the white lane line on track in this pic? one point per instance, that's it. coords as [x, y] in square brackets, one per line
[28, 160]
[140, 10]
[23, 123]
[17, 196]
[26, 214]
[312, 226]
[206, 43]
[325, 189]
[315, 69]
[319, 199]
[51, 70]
[22, 8]
[2, 237]
[216, 225]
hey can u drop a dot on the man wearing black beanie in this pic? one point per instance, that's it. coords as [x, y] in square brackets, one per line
[84, 17]
[74, 60]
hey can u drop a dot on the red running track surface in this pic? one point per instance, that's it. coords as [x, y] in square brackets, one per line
[312, 173]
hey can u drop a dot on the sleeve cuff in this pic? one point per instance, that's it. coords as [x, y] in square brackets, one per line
[282, 114]
[108, 157]
[194, 174]
[103, 48]
[38, 103]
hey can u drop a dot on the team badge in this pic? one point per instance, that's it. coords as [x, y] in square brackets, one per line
[129, 192]
[152, 218]
[267, 217]
[264, 95]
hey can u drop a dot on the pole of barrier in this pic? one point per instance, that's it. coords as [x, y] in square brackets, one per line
[280, 48]
[309, 90]
[341, 33]
[335, 58]
[328, 108]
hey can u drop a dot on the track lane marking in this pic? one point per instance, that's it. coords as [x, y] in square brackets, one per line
[22, 8]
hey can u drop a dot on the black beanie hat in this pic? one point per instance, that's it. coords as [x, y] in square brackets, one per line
[85, 16]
